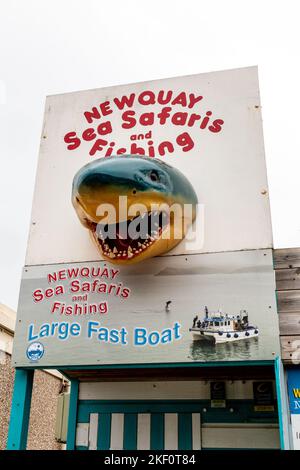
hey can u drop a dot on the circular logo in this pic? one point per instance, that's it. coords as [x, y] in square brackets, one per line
[263, 387]
[35, 351]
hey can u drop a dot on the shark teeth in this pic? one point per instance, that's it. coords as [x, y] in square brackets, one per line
[113, 253]
[126, 248]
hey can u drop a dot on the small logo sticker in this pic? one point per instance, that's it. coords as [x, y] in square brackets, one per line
[35, 351]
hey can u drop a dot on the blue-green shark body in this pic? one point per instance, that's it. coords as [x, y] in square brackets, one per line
[149, 183]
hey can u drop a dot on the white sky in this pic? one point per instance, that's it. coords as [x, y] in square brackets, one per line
[58, 46]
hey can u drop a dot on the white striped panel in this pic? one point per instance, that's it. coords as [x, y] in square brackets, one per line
[117, 431]
[171, 431]
[196, 431]
[93, 432]
[143, 431]
[82, 434]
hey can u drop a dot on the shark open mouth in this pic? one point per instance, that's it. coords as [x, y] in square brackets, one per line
[128, 239]
[135, 207]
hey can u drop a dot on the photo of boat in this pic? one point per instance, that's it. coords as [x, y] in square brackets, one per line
[220, 327]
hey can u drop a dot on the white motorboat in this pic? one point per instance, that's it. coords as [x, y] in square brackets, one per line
[220, 327]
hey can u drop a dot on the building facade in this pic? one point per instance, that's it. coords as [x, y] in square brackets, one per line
[170, 338]
[46, 388]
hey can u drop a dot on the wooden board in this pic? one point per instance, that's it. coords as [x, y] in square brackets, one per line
[290, 349]
[287, 271]
[289, 323]
[287, 258]
[288, 279]
[288, 301]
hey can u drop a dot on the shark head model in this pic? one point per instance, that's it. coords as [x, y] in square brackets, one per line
[145, 227]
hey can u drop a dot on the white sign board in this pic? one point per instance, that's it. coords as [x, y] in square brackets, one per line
[293, 384]
[208, 126]
[173, 309]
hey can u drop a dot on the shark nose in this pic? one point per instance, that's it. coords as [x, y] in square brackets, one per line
[91, 180]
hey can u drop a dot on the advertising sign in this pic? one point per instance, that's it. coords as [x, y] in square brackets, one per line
[208, 127]
[263, 396]
[293, 382]
[217, 395]
[150, 238]
[173, 309]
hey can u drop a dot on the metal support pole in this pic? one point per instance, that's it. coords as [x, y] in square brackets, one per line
[72, 419]
[20, 410]
[282, 404]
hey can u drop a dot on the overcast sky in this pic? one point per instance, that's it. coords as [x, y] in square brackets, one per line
[59, 46]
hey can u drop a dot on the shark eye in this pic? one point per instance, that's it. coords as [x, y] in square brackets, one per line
[154, 176]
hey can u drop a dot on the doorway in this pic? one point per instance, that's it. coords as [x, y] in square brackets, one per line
[171, 425]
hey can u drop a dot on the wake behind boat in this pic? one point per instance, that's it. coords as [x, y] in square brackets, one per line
[221, 328]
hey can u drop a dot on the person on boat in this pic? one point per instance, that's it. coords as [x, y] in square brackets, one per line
[195, 320]
[245, 320]
[239, 323]
[199, 324]
[206, 311]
